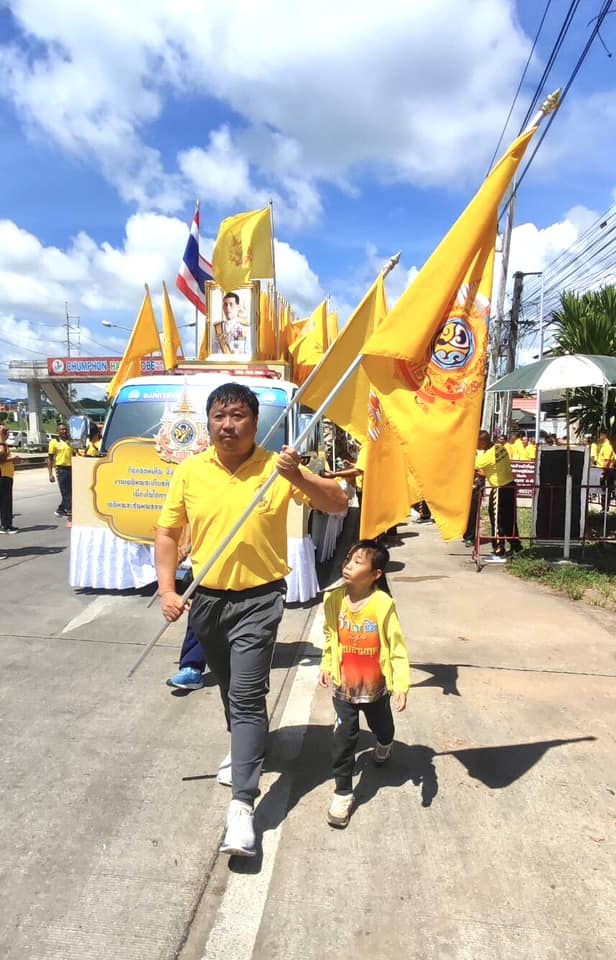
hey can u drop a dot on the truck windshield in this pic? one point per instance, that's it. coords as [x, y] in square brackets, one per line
[140, 410]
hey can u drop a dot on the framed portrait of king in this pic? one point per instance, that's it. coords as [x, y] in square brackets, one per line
[232, 322]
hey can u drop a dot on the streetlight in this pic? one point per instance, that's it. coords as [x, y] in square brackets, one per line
[108, 323]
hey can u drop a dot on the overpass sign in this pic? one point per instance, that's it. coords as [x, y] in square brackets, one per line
[72, 368]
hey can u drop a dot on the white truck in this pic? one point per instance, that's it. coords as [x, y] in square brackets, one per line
[154, 423]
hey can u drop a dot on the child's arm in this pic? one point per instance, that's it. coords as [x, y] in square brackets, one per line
[328, 627]
[399, 656]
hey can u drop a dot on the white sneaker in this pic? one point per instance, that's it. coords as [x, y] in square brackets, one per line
[495, 558]
[224, 772]
[340, 810]
[240, 840]
[382, 753]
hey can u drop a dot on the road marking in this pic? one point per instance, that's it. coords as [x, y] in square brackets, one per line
[97, 608]
[238, 919]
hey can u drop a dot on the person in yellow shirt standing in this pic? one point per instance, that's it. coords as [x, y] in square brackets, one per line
[606, 459]
[94, 443]
[60, 459]
[530, 450]
[8, 462]
[239, 603]
[492, 462]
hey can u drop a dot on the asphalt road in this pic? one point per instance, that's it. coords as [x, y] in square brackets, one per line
[491, 834]
[110, 814]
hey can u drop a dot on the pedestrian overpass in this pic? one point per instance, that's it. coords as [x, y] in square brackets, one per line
[55, 377]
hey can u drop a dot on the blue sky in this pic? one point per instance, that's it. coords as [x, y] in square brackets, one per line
[370, 127]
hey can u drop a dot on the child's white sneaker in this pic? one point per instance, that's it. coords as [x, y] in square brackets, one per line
[340, 810]
[240, 840]
[382, 753]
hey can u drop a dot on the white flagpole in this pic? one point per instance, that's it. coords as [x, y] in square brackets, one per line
[275, 298]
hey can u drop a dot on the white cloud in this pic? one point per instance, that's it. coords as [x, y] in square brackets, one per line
[317, 92]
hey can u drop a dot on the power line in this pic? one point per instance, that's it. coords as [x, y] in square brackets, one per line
[522, 78]
[605, 9]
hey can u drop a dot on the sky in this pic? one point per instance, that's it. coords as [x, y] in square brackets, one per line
[370, 127]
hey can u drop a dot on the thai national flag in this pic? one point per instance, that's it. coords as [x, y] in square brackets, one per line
[194, 269]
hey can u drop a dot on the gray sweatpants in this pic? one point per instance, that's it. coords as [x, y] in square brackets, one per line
[237, 629]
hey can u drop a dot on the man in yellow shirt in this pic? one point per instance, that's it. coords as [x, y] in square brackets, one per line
[60, 458]
[237, 607]
[492, 462]
[8, 462]
[606, 459]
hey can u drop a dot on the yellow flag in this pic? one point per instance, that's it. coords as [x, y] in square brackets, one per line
[387, 489]
[243, 249]
[203, 346]
[332, 328]
[144, 339]
[172, 342]
[267, 334]
[349, 409]
[427, 360]
[284, 327]
[309, 350]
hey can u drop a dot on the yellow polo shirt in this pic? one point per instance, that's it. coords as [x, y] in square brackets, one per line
[605, 454]
[62, 451]
[530, 452]
[7, 467]
[495, 464]
[93, 449]
[211, 498]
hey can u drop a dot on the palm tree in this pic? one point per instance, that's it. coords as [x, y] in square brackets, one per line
[586, 323]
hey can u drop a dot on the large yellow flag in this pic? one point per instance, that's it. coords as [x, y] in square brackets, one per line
[144, 339]
[427, 360]
[388, 490]
[349, 409]
[244, 249]
[172, 342]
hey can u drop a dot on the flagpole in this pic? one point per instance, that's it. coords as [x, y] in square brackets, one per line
[389, 266]
[247, 512]
[196, 307]
[275, 291]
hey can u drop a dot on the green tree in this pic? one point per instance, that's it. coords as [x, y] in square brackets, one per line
[586, 323]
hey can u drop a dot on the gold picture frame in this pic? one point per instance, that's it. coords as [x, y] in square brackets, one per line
[232, 322]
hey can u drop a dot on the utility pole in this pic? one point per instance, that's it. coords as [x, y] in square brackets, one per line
[512, 346]
[71, 329]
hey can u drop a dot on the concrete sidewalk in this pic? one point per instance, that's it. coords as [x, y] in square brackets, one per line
[491, 832]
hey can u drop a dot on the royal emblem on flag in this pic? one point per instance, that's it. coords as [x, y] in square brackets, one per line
[237, 255]
[456, 365]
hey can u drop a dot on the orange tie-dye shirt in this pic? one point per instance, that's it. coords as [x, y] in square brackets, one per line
[360, 642]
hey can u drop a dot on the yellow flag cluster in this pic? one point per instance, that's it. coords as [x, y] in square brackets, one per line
[244, 249]
[417, 402]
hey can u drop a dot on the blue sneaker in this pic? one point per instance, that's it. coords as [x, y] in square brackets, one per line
[188, 678]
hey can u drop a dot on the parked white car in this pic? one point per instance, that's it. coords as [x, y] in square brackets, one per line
[18, 439]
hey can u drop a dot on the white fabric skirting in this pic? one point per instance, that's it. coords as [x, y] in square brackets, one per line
[302, 583]
[100, 560]
[103, 561]
[328, 529]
